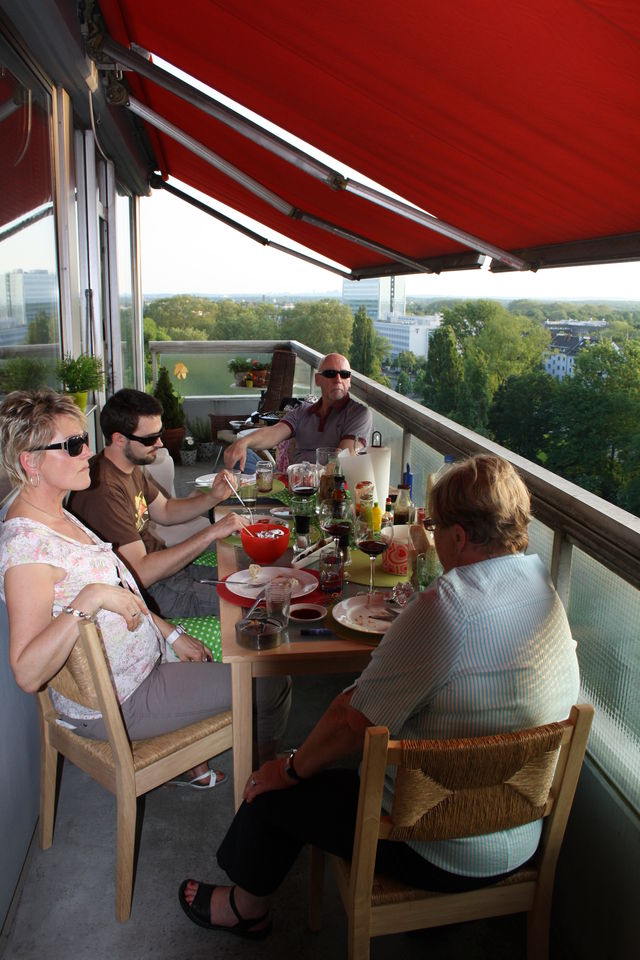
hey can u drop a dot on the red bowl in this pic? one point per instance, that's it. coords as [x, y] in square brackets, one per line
[263, 550]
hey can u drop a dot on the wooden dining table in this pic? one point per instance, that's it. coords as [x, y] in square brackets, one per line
[300, 655]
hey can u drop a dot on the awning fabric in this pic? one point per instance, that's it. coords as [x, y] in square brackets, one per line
[515, 121]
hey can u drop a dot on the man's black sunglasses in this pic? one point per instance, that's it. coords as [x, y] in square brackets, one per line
[73, 445]
[332, 374]
[147, 441]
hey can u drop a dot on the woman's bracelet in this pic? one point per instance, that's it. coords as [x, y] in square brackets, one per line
[80, 614]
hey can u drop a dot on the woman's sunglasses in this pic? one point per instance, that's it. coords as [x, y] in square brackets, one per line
[332, 374]
[73, 445]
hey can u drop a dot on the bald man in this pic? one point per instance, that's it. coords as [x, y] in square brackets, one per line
[335, 420]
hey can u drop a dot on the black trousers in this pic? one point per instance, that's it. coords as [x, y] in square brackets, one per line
[266, 836]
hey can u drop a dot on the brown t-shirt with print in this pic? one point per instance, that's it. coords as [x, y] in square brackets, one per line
[115, 505]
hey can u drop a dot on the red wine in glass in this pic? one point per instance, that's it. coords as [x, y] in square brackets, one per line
[373, 547]
[304, 491]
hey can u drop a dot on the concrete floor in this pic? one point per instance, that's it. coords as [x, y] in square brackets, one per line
[64, 906]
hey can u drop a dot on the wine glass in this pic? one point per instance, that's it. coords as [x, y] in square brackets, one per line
[373, 543]
[336, 520]
[303, 479]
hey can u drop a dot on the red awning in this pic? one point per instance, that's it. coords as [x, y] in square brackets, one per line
[512, 120]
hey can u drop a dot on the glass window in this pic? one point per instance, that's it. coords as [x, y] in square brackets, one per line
[29, 293]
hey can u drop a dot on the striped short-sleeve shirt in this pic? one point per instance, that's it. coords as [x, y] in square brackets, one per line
[486, 649]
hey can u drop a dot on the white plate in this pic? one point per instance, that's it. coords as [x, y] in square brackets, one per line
[239, 583]
[206, 480]
[282, 512]
[356, 614]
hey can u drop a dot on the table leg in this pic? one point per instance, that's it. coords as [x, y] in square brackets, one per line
[242, 718]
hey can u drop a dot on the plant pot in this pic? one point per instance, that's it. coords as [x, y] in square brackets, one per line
[188, 457]
[172, 438]
[79, 397]
[206, 451]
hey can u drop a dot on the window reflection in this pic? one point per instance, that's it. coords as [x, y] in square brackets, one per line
[29, 294]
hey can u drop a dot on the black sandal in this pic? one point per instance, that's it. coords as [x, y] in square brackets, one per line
[200, 912]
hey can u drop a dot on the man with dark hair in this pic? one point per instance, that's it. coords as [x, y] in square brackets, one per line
[121, 501]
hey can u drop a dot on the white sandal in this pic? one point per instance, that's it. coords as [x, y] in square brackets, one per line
[215, 777]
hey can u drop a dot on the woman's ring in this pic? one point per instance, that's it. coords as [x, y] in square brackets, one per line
[253, 782]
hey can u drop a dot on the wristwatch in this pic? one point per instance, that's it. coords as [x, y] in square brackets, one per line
[173, 636]
[289, 768]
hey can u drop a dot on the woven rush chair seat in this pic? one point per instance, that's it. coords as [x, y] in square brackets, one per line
[457, 788]
[127, 769]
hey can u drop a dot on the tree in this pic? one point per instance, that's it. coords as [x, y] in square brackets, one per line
[595, 426]
[324, 325]
[407, 361]
[404, 384]
[43, 328]
[473, 401]
[443, 373]
[368, 348]
[521, 413]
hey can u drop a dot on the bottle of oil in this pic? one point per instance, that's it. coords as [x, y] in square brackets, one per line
[403, 512]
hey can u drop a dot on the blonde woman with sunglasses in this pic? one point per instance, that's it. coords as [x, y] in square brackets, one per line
[54, 573]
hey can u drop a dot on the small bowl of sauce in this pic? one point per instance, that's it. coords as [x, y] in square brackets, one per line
[306, 612]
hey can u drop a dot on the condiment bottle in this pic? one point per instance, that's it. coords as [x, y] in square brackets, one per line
[339, 496]
[366, 504]
[377, 516]
[403, 512]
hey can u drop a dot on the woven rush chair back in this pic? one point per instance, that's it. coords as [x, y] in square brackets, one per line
[461, 788]
[283, 368]
[126, 768]
[456, 788]
[74, 680]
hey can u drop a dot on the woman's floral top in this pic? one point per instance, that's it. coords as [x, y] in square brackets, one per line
[132, 654]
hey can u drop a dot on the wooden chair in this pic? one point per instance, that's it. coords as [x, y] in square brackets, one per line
[128, 769]
[455, 788]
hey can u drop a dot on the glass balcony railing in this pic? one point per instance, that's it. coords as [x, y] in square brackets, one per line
[591, 548]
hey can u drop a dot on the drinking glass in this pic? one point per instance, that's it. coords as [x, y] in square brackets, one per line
[277, 595]
[264, 476]
[331, 568]
[247, 488]
[326, 462]
[373, 543]
[303, 508]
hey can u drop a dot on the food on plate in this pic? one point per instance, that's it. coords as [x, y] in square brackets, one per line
[286, 581]
[254, 571]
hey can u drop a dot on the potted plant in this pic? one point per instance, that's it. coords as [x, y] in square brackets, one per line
[188, 451]
[248, 372]
[201, 432]
[26, 373]
[173, 414]
[80, 374]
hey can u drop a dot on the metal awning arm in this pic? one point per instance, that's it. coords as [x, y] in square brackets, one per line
[132, 60]
[258, 189]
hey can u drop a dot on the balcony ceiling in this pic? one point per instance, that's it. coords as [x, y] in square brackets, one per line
[512, 120]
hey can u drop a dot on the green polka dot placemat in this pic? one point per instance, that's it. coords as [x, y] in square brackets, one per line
[207, 559]
[206, 630]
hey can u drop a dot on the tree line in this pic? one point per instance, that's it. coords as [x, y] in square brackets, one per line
[484, 370]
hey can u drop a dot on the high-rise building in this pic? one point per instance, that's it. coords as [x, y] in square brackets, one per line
[379, 296]
[407, 332]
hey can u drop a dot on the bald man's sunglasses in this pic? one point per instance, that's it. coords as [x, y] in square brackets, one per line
[73, 445]
[332, 374]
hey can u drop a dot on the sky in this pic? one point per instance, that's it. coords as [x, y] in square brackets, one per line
[186, 251]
